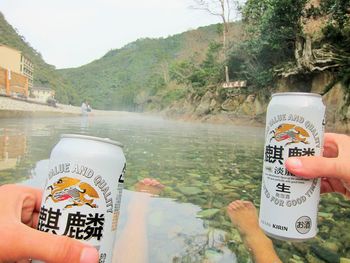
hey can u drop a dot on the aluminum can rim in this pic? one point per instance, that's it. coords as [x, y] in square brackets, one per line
[297, 94]
[93, 138]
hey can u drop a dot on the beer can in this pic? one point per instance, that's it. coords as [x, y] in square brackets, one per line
[289, 204]
[83, 192]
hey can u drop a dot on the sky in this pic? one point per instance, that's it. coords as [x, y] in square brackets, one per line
[71, 33]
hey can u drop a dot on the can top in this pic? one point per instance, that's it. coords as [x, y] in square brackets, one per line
[93, 138]
[297, 94]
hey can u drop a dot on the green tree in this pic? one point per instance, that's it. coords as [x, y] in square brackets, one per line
[222, 9]
[337, 30]
[272, 27]
[198, 77]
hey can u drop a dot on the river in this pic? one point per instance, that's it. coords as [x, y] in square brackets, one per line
[203, 167]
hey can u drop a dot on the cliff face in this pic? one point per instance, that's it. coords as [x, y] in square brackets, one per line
[338, 110]
[235, 106]
[336, 99]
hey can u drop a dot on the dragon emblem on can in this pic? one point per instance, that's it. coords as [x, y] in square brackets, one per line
[290, 133]
[73, 191]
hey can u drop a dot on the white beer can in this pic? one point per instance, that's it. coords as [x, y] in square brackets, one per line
[289, 204]
[83, 192]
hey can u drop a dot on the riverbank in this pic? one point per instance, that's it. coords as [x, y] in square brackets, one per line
[219, 118]
[244, 120]
[13, 108]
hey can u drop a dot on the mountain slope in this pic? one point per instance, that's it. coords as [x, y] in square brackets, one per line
[116, 80]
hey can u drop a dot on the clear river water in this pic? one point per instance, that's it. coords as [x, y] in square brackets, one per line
[203, 167]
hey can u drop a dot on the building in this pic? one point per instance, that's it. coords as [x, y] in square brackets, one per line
[13, 84]
[14, 60]
[42, 93]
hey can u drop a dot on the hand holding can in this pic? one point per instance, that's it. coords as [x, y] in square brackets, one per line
[294, 128]
[83, 191]
[333, 168]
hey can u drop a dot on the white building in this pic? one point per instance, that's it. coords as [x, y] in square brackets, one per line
[42, 93]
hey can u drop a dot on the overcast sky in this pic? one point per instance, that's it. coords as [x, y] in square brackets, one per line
[70, 33]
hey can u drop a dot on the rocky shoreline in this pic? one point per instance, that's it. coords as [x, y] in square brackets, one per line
[217, 118]
[15, 108]
[10, 107]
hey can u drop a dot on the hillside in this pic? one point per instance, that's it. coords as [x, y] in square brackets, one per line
[129, 77]
[301, 46]
[44, 74]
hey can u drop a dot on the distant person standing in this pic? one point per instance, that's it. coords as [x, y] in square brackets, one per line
[89, 109]
[84, 108]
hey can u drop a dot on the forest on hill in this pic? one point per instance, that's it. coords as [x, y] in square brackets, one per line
[144, 71]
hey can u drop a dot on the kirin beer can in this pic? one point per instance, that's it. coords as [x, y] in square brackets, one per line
[83, 192]
[289, 204]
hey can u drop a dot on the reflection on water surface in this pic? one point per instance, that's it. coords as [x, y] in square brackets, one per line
[203, 167]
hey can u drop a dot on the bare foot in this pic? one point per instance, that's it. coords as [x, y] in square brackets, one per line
[244, 216]
[132, 245]
[148, 185]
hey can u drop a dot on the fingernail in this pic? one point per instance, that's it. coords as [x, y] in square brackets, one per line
[89, 255]
[294, 163]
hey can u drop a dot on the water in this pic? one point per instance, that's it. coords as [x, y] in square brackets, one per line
[203, 167]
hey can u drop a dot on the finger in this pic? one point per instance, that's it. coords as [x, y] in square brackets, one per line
[46, 247]
[338, 143]
[316, 166]
[20, 191]
[38, 195]
[30, 206]
[330, 185]
[337, 185]
[21, 201]
[325, 187]
[337, 138]
[330, 150]
[35, 220]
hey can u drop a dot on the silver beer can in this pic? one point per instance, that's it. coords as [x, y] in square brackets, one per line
[289, 204]
[83, 192]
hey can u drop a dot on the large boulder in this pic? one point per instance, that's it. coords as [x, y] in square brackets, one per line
[233, 103]
[206, 104]
[320, 82]
[334, 101]
[260, 105]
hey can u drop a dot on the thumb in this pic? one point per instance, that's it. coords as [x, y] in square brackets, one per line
[51, 248]
[316, 166]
